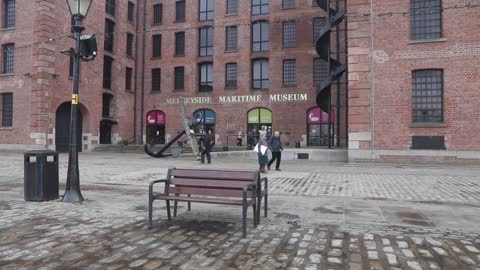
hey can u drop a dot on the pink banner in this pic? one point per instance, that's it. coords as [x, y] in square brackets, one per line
[155, 118]
[317, 116]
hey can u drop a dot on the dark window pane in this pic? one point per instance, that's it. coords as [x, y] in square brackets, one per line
[128, 79]
[231, 36]
[180, 11]
[205, 77]
[8, 58]
[129, 44]
[320, 71]
[231, 75]
[70, 67]
[156, 79]
[131, 11]
[107, 72]
[232, 7]
[289, 72]
[110, 7]
[260, 74]
[109, 35]
[260, 7]
[288, 3]
[179, 78]
[9, 13]
[157, 14]
[425, 19]
[180, 43]
[206, 10]
[106, 106]
[260, 36]
[427, 96]
[156, 45]
[206, 41]
[7, 109]
[289, 34]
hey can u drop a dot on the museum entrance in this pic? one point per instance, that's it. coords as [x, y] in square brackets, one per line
[318, 125]
[155, 127]
[258, 119]
[206, 118]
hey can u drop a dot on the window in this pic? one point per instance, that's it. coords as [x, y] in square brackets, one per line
[318, 23]
[206, 41]
[110, 8]
[288, 4]
[128, 79]
[156, 79]
[425, 19]
[260, 74]
[231, 38]
[131, 11]
[107, 72]
[156, 46]
[206, 10]
[289, 72]
[7, 109]
[232, 7]
[231, 75]
[427, 96]
[179, 78]
[9, 14]
[129, 44]
[205, 77]
[260, 7]
[180, 10]
[320, 71]
[109, 32]
[289, 34]
[179, 43]
[260, 35]
[157, 13]
[8, 58]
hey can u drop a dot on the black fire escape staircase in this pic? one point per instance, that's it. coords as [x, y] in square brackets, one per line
[323, 47]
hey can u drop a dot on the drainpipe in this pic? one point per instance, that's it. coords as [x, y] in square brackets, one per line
[135, 78]
[373, 78]
[143, 68]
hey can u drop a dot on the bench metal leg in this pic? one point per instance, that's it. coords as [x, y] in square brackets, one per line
[244, 223]
[255, 222]
[168, 210]
[266, 204]
[259, 207]
[175, 204]
[150, 210]
[189, 204]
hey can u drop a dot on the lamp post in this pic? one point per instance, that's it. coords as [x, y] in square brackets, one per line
[78, 9]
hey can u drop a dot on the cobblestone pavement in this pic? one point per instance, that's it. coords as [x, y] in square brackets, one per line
[351, 217]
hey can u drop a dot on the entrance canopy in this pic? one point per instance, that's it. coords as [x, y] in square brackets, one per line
[155, 118]
[205, 116]
[260, 116]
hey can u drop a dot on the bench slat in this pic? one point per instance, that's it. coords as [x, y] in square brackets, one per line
[209, 183]
[201, 200]
[209, 192]
[215, 174]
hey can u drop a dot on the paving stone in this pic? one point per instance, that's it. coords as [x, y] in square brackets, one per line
[370, 245]
[388, 249]
[335, 260]
[392, 259]
[433, 265]
[468, 260]
[372, 255]
[355, 257]
[440, 251]
[402, 244]
[425, 253]
[138, 263]
[433, 242]
[315, 258]
[335, 253]
[408, 253]
[414, 265]
[385, 242]
[355, 266]
[472, 249]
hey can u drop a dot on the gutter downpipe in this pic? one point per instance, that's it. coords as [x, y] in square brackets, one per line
[373, 78]
[135, 79]
[143, 68]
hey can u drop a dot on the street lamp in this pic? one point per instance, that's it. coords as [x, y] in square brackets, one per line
[78, 9]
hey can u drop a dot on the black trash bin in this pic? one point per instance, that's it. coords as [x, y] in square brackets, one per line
[41, 175]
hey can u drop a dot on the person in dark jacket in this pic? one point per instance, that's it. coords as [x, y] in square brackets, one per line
[207, 141]
[275, 145]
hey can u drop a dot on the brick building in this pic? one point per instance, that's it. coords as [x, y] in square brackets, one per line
[413, 75]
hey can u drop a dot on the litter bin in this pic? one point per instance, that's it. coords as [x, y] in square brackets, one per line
[41, 175]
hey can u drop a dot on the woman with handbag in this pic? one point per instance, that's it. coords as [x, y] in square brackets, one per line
[261, 149]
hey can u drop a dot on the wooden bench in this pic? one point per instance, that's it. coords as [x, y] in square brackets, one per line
[242, 188]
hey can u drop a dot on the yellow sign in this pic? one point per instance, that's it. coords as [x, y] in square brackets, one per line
[74, 98]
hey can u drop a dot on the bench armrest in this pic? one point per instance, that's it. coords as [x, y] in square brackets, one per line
[150, 187]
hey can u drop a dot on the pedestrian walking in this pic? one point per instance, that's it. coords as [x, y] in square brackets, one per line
[239, 138]
[261, 149]
[275, 145]
[206, 141]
